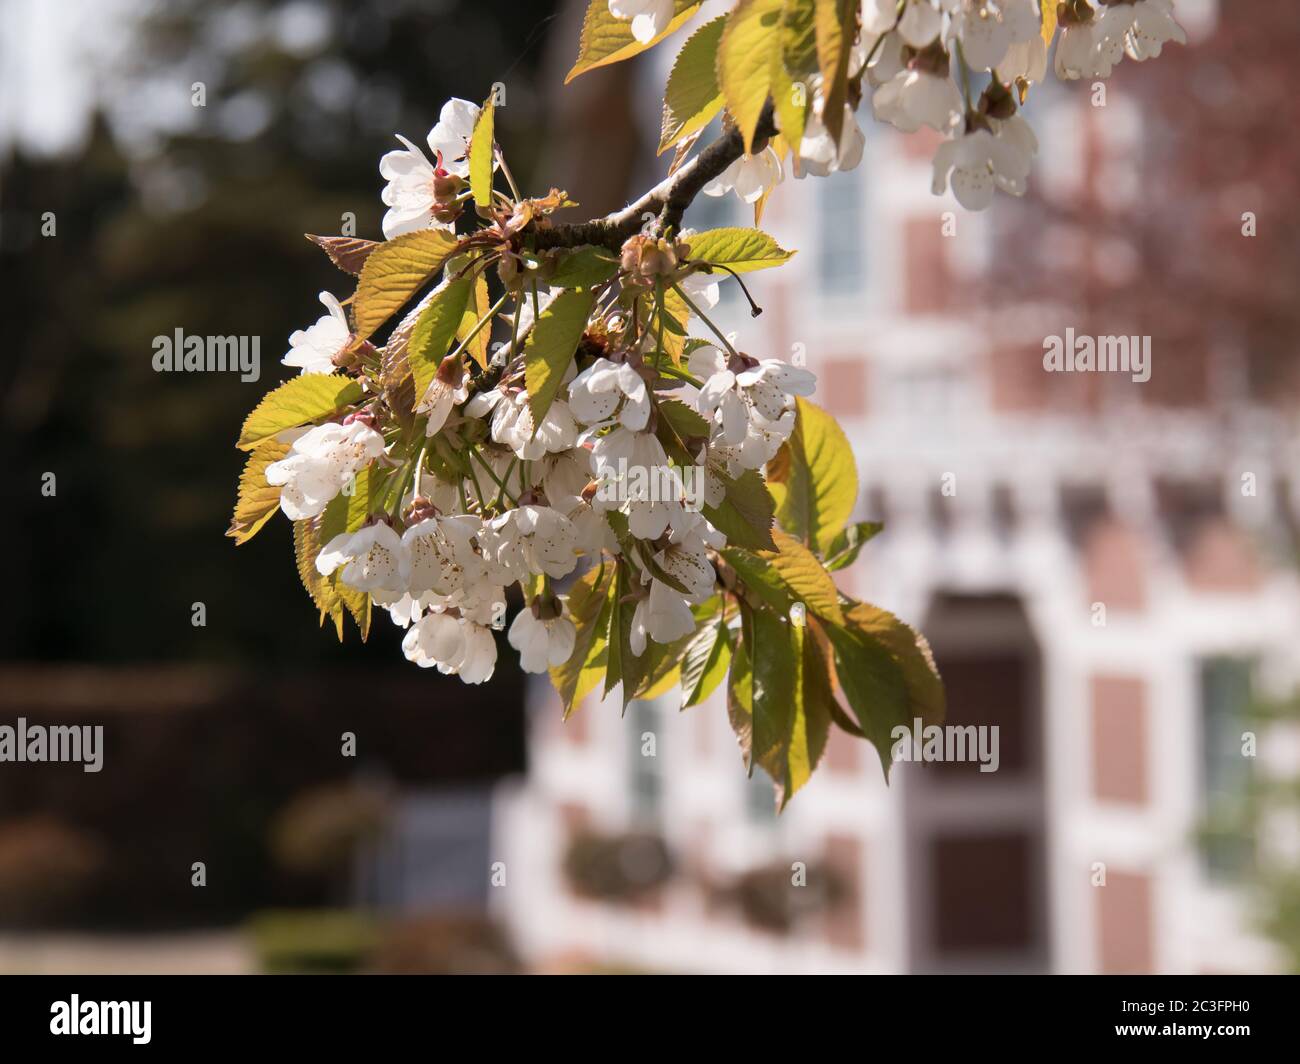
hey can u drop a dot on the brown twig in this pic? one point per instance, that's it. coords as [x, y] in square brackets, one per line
[667, 201]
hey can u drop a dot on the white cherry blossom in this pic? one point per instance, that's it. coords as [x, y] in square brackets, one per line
[320, 463]
[373, 559]
[663, 615]
[978, 162]
[750, 177]
[449, 139]
[1140, 29]
[1080, 52]
[819, 155]
[608, 390]
[442, 558]
[920, 23]
[530, 539]
[448, 389]
[542, 644]
[313, 349]
[913, 98]
[988, 28]
[513, 426]
[737, 391]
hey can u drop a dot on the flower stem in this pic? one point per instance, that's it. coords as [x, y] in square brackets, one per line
[478, 327]
[510, 178]
[704, 318]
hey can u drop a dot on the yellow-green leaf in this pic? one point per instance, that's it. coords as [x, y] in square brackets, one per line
[848, 543]
[257, 500]
[332, 597]
[436, 329]
[394, 272]
[588, 604]
[305, 399]
[1048, 10]
[606, 39]
[743, 250]
[817, 490]
[480, 155]
[692, 96]
[705, 663]
[787, 576]
[477, 307]
[551, 345]
[583, 267]
[750, 43]
[790, 99]
[835, 26]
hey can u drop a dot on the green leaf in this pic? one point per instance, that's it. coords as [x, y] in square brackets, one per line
[789, 700]
[836, 26]
[394, 272]
[772, 662]
[257, 500]
[792, 69]
[588, 603]
[887, 674]
[750, 43]
[845, 547]
[583, 267]
[620, 626]
[303, 400]
[550, 347]
[678, 423]
[436, 329]
[745, 514]
[740, 689]
[347, 512]
[818, 488]
[799, 39]
[705, 663]
[606, 39]
[786, 576]
[693, 97]
[743, 250]
[480, 155]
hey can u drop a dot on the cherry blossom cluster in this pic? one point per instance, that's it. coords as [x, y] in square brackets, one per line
[541, 497]
[919, 58]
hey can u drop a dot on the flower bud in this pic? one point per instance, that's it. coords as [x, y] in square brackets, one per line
[646, 260]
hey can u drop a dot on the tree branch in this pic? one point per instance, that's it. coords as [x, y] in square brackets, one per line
[668, 200]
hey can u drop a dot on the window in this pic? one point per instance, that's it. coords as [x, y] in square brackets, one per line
[1225, 696]
[841, 250]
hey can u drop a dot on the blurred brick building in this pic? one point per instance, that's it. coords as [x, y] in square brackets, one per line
[1104, 569]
